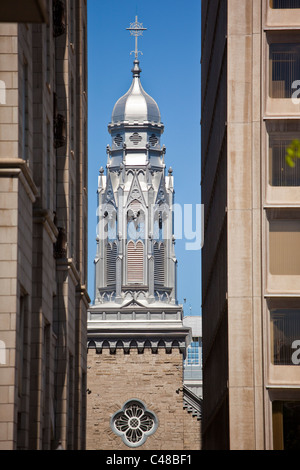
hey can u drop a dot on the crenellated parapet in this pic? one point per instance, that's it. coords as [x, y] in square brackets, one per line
[139, 343]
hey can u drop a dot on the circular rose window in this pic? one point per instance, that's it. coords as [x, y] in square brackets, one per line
[134, 423]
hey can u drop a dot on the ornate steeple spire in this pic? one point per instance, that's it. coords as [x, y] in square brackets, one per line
[135, 306]
[135, 261]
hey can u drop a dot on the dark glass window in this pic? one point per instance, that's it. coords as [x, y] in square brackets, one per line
[284, 69]
[281, 4]
[286, 425]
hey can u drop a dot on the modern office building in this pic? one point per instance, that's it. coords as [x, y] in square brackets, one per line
[43, 213]
[192, 366]
[136, 336]
[251, 264]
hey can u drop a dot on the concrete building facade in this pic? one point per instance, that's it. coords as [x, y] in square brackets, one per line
[251, 268]
[43, 206]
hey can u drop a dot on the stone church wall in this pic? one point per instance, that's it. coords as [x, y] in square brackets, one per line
[155, 380]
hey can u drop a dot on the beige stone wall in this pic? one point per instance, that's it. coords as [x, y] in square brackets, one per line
[8, 306]
[152, 378]
[231, 191]
[239, 410]
[192, 432]
[245, 378]
[43, 299]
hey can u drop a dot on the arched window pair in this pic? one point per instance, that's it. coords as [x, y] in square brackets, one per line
[135, 244]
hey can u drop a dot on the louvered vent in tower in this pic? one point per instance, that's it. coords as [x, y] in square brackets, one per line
[159, 263]
[135, 262]
[111, 256]
[118, 140]
[135, 138]
[153, 140]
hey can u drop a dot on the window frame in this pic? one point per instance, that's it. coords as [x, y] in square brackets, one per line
[282, 359]
[281, 45]
[279, 131]
[271, 2]
[290, 36]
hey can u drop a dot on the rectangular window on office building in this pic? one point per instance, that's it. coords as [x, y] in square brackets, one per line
[284, 4]
[193, 357]
[284, 69]
[283, 152]
[285, 336]
[284, 243]
[286, 425]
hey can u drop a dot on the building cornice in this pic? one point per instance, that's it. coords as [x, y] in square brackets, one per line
[135, 125]
[139, 338]
[45, 217]
[81, 290]
[67, 264]
[18, 167]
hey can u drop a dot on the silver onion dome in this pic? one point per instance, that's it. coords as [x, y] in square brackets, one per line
[136, 105]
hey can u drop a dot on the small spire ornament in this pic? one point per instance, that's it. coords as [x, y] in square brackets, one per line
[136, 29]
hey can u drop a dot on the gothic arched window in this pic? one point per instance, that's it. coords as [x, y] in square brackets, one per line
[158, 226]
[135, 222]
[110, 216]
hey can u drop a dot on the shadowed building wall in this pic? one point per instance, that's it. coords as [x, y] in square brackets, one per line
[43, 204]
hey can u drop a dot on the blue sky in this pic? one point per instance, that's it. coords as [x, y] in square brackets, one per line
[171, 75]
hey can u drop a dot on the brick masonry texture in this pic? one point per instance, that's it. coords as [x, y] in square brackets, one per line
[152, 378]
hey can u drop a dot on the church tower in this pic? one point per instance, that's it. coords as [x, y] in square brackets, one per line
[136, 336]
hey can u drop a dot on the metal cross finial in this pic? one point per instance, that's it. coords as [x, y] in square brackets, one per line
[136, 29]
